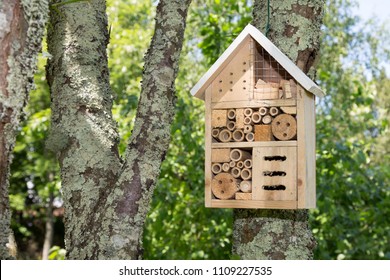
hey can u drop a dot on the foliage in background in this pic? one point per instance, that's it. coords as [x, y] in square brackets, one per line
[179, 226]
[352, 138]
[351, 221]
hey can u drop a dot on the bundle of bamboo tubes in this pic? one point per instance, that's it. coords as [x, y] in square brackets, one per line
[267, 123]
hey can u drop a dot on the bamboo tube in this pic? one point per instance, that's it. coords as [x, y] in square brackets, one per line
[237, 154]
[284, 127]
[231, 114]
[225, 135]
[225, 167]
[240, 164]
[238, 135]
[236, 172]
[216, 168]
[267, 119]
[215, 132]
[224, 186]
[256, 117]
[248, 163]
[248, 128]
[231, 125]
[263, 111]
[250, 137]
[232, 164]
[248, 112]
[246, 186]
[273, 111]
[247, 121]
[246, 174]
[289, 110]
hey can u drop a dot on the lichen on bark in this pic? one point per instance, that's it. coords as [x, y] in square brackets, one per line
[106, 198]
[22, 25]
[282, 234]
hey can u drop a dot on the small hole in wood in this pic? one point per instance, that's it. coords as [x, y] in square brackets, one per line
[244, 88]
[220, 182]
[244, 81]
[244, 63]
[231, 180]
[274, 173]
[277, 123]
[275, 158]
[220, 90]
[244, 70]
[284, 134]
[231, 73]
[274, 188]
[231, 82]
[288, 124]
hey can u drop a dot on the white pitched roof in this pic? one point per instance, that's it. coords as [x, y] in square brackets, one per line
[281, 58]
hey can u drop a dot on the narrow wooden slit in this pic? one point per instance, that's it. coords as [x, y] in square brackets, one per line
[274, 173]
[274, 188]
[275, 158]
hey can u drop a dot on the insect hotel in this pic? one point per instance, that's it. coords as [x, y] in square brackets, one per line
[260, 128]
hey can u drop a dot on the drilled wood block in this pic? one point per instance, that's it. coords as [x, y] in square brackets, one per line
[224, 186]
[284, 127]
[220, 155]
[218, 118]
[263, 132]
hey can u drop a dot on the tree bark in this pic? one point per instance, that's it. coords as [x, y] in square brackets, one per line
[282, 234]
[106, 199]
[22, 25]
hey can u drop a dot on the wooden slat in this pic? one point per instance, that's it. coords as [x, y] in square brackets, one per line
[255, 204]
[234, 81]
[306, 150]
[208, 173]
[255, 144]
[253, 103]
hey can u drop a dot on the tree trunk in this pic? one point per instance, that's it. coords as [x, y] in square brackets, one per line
[22, 25]
[49, 228]
[282, 234]
[106, 199]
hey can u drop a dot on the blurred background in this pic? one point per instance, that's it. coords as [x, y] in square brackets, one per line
[353, 140]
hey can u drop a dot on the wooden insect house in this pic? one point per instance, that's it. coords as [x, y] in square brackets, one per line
[260, 128]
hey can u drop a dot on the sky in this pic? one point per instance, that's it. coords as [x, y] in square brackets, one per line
[379, 8]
